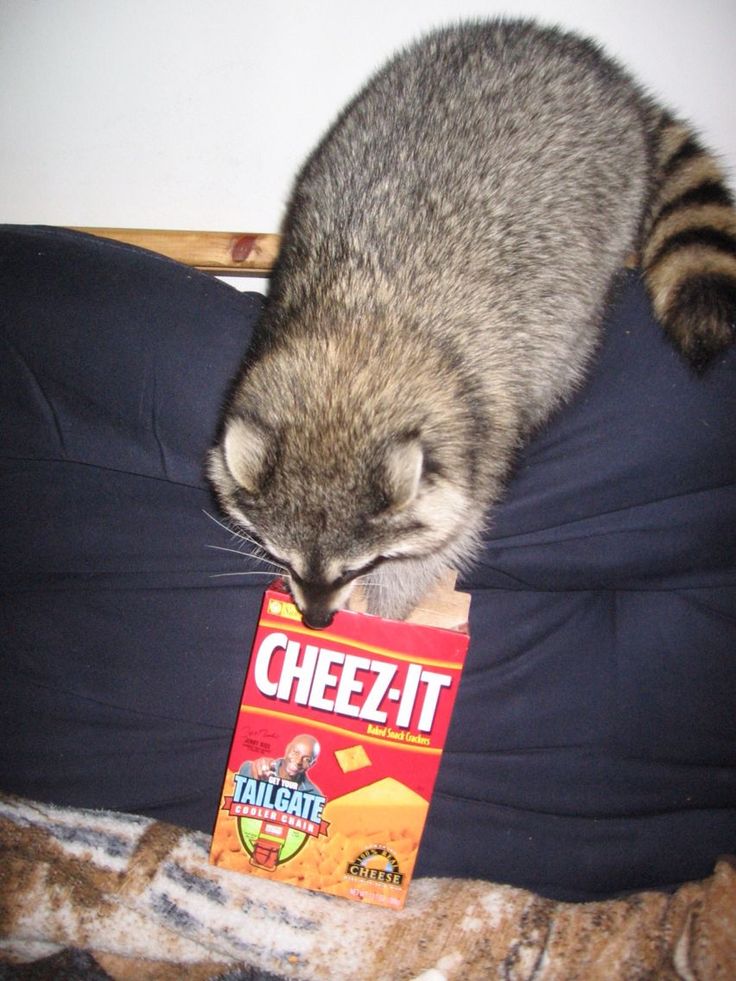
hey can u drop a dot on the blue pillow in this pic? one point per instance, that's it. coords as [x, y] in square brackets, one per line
[593, 747]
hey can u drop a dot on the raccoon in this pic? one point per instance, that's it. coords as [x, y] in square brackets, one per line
[447, 254]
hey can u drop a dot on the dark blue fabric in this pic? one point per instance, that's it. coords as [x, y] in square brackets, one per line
[123, 658]
[593, 747]
[594, 739]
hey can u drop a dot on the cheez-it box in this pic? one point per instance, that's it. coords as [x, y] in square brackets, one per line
[336, 750]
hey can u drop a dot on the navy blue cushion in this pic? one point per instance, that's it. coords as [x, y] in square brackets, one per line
[593, 747]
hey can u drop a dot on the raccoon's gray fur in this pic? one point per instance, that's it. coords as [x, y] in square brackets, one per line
[446, 257]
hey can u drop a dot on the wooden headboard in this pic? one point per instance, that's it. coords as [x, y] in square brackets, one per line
[223, 253]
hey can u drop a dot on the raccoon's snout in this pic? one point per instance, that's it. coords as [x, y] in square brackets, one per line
[318, 619]
[316, 610]
[315, 614]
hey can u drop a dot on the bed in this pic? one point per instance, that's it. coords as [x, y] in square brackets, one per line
[586, 803]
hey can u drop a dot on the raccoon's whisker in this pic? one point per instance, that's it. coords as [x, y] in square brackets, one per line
[221, 575]
[225, 527]
[247, 538]
[235, 551]
[231, 529]
[277, 566]
[264, 557]
[259, 554]
[248, 555]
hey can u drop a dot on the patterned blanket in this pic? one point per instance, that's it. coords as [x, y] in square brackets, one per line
[95, 895]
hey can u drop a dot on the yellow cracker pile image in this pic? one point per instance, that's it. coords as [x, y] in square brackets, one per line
[385, 814]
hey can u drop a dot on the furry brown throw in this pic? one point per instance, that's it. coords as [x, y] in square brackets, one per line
[90, 894]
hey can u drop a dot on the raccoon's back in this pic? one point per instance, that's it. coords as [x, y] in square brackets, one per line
[491, 155]
[489, 182]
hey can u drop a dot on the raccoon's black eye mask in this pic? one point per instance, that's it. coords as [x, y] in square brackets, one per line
[346, 576]
[349, 574]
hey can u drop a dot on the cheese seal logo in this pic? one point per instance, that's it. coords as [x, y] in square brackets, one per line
[376, 865]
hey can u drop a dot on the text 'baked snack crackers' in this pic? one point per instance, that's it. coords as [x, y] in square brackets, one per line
[336, 750]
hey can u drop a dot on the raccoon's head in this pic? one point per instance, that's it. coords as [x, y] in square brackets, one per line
[330, 503]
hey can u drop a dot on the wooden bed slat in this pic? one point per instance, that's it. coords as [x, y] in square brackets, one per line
[224, 253]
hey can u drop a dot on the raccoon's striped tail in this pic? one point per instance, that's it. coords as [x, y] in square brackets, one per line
[688, 253]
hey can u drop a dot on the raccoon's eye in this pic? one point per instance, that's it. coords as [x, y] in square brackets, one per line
[348, 575]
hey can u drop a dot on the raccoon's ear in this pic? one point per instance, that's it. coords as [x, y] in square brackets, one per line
[402, 472]
[245, 448]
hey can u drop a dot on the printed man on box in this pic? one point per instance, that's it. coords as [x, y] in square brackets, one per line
[299, 756]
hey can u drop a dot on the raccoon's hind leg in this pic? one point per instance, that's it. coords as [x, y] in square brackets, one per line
[688, 253]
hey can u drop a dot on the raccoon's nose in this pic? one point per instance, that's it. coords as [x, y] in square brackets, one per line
[318, 619]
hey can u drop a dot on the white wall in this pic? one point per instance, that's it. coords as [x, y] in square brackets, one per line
[196, 113]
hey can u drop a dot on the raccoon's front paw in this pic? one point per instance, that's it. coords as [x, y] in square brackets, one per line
[390, 607]
[395, 588]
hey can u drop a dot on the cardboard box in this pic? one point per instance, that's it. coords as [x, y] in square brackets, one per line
[336, 749]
